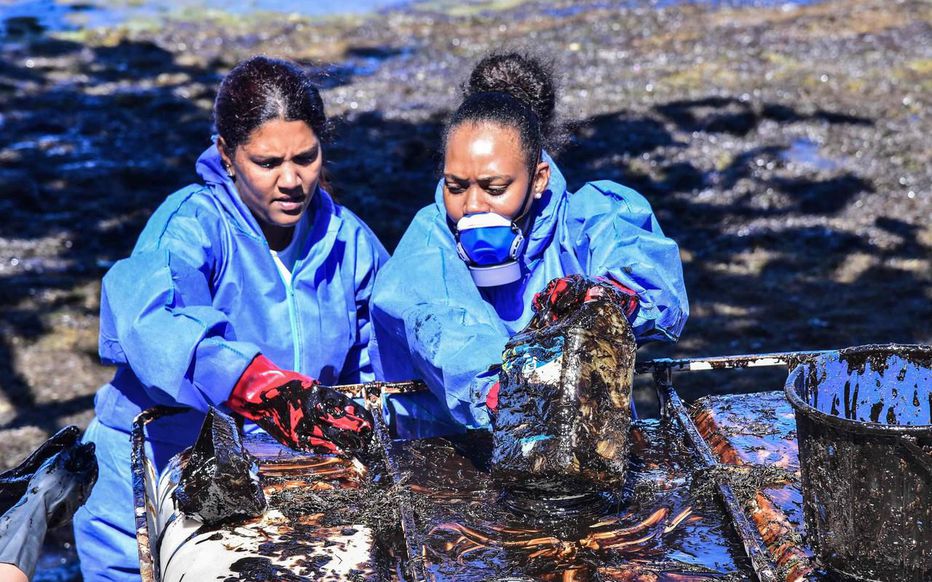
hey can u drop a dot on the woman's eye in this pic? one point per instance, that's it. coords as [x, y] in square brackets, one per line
[267, 164]
[496, 191]
[305, 160]
[455, 188]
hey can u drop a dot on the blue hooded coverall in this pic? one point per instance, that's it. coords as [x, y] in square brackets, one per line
[183, 316]
[432, 322]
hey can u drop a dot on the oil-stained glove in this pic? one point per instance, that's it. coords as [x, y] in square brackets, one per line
[13, 483]
[56, 490]
[564, 294]
[298, 411]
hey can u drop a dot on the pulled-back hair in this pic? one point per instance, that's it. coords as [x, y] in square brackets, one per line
[261, 89]
[512, 90]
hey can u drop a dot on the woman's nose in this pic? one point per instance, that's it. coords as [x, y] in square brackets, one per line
[475, 201]
[289, 178]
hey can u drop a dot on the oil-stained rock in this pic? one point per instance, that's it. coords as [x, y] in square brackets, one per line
[564, 401]
[220, 482]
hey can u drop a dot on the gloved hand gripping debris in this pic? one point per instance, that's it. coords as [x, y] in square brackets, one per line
[298, 411]
[564, 295]
[54, 492]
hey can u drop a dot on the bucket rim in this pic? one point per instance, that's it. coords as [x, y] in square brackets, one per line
[802, 407]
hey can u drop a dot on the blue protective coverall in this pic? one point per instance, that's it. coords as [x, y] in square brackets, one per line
[183, 316]
[432, 322]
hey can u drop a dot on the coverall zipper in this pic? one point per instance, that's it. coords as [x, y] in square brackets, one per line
[295, 332]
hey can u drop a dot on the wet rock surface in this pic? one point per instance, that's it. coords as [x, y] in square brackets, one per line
[785, 147]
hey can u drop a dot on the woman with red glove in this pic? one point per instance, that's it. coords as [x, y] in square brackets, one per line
[503, 228]
[249, 291]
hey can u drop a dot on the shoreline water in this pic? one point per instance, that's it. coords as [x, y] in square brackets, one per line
[53, 16]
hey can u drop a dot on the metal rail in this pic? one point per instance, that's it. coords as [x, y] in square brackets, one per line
[149, 566]
[415, 566]
[662, 370]
[724, 362]
[367, 389]
[754, 545]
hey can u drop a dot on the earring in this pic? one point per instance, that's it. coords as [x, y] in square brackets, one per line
[229, 172]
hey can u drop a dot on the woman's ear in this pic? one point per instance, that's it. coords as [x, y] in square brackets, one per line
[225, 157]
[541, 179]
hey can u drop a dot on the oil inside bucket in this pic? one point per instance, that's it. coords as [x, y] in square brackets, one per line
[864, 425]
[886, 388]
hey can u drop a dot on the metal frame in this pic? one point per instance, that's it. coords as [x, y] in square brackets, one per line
[149, 568]
[672, 407]
[662, 371]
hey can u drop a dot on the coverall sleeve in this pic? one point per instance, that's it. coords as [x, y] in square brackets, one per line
[616, 234]
[157, 316]
[370, 256]
[432, 323]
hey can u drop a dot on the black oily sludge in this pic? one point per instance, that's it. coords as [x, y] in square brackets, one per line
[220, 481]
[865, 449]
[564, 403]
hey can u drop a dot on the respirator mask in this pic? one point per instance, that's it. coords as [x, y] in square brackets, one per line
[490, 244]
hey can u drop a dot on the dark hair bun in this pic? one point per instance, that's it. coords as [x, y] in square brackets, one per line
[522, 76]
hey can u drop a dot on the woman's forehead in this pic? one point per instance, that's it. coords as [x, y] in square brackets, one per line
[483, 143]
[277, 135]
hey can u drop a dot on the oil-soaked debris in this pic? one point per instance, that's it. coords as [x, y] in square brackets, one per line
[348, 500]
[565, 397]
[745, 480]
[261, 570]
[470, 529]
[220, 481]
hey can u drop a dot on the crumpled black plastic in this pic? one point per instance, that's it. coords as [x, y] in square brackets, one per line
[220, 481]
[564, 401]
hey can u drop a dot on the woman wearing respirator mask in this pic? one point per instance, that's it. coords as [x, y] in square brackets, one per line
[502, 237]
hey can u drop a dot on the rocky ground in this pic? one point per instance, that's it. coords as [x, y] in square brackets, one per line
[785, 148]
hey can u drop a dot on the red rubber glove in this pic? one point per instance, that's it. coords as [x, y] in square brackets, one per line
[491, 399]
[564, 294]
[298, 411]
